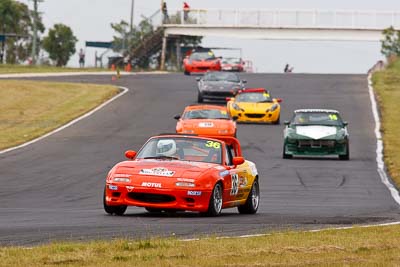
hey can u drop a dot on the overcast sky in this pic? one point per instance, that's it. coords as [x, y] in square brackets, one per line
[90, 21]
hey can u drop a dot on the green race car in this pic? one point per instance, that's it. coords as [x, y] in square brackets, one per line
[316, 132]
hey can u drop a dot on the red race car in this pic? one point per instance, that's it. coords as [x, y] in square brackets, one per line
[232, 64]
[201, 61]
[179, 172]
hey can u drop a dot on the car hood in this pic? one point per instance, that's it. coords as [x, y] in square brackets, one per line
[207, 123]
[319, 131]
[255, 107]
[162, 168]
[220, 86]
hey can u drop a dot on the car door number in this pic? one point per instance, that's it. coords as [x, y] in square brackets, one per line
[235, 184]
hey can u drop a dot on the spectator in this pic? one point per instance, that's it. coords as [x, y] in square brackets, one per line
[287, 69]
[81, 58]
[186, 9]
[165, 12]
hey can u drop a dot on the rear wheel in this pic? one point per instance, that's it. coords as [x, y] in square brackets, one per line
[117, 210]
[284, 155]
[278, 121]
[215, 204]
[347, 155]
[253, 200]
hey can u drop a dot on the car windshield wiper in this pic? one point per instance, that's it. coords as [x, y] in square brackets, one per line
[220, 118]
[162, 157]
[200, 118]
[265, 101]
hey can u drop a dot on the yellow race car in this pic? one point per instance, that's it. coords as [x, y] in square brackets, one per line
[255, 106]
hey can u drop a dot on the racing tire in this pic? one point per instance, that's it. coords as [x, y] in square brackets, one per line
[235, 135]
[200, 98]
[252, 201]
[347, 155]
[284, 155]
[186, 73]
[215, 204]
[117, 210]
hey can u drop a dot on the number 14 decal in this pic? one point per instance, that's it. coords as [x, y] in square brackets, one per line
[235, 184]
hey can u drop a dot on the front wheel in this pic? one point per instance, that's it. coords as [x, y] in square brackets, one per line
[278, 121]
[284, 155]
[117, 210]
[347, 155]
[215, 204]
[199, 98]
[253, 200]
[187, 73]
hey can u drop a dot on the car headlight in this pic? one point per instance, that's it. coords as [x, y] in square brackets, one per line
[273, 108]
[236, 107]
[121, 180]
[185, 184]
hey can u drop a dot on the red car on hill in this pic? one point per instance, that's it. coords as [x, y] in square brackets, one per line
[232, 64]
[200, 62]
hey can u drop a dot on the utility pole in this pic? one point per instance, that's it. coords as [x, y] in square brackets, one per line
[132, 14]
[35, 37]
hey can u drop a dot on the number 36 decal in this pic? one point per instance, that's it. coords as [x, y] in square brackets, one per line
[235, 184]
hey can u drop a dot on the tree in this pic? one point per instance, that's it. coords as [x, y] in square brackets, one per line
[60, 44]
[391, 42]
[18, 43]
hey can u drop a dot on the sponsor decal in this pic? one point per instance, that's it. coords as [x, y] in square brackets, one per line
[206, 124]
[185, 180]
[194, 193]
[220, 168]
[316, 131]
[154, 185]
[158, 171]
[224, 173]
[112, 187]
[242, 181]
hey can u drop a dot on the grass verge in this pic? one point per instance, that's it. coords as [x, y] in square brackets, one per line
[30, 109]
[387, 87]
[9, 69]
[374, 246]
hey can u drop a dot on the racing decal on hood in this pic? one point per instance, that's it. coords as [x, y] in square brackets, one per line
[148, 184]
[206, 124]
[316, 131]
[158, 171]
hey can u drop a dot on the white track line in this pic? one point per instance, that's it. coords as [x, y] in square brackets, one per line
[379, 148]
[124, 91]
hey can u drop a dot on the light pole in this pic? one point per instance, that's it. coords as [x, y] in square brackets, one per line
[35, 37]
[132, 14]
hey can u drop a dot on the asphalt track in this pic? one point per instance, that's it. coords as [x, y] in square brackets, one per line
[52, 189]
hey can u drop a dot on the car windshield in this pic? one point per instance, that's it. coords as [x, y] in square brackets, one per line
[206, 114]
[317, 118]
[182, 148]
[231, 61]
[202, 56]
[221, 76]
[254, 97]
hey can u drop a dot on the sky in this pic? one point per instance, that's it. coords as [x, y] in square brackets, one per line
[90, 21]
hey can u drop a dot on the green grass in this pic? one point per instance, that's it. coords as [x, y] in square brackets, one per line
[387, 87]
[30, 109]
[375, 246]
[9, 69]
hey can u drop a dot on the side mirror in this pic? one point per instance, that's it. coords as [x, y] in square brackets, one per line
[235, 118]
[130, 154]
[345, 123]
[198, 79]
[177, 117]
[238, 161]
[279, 100]
[244, 81]
[286, 122]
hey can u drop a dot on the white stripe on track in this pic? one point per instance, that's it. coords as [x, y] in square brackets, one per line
[124, 91]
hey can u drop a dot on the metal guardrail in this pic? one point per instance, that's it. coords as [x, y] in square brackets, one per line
[327, 19]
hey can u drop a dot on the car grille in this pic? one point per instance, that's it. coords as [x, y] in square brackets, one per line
[316, 143]
[254, 115]
[218, 93]
[151, 198]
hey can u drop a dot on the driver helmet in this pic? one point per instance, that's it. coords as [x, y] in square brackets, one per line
[303, 118]
[166, 147]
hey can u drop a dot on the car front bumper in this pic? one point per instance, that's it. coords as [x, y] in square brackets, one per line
[316, 147]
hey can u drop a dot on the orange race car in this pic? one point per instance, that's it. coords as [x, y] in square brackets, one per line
[178, 172]
[206, 120]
